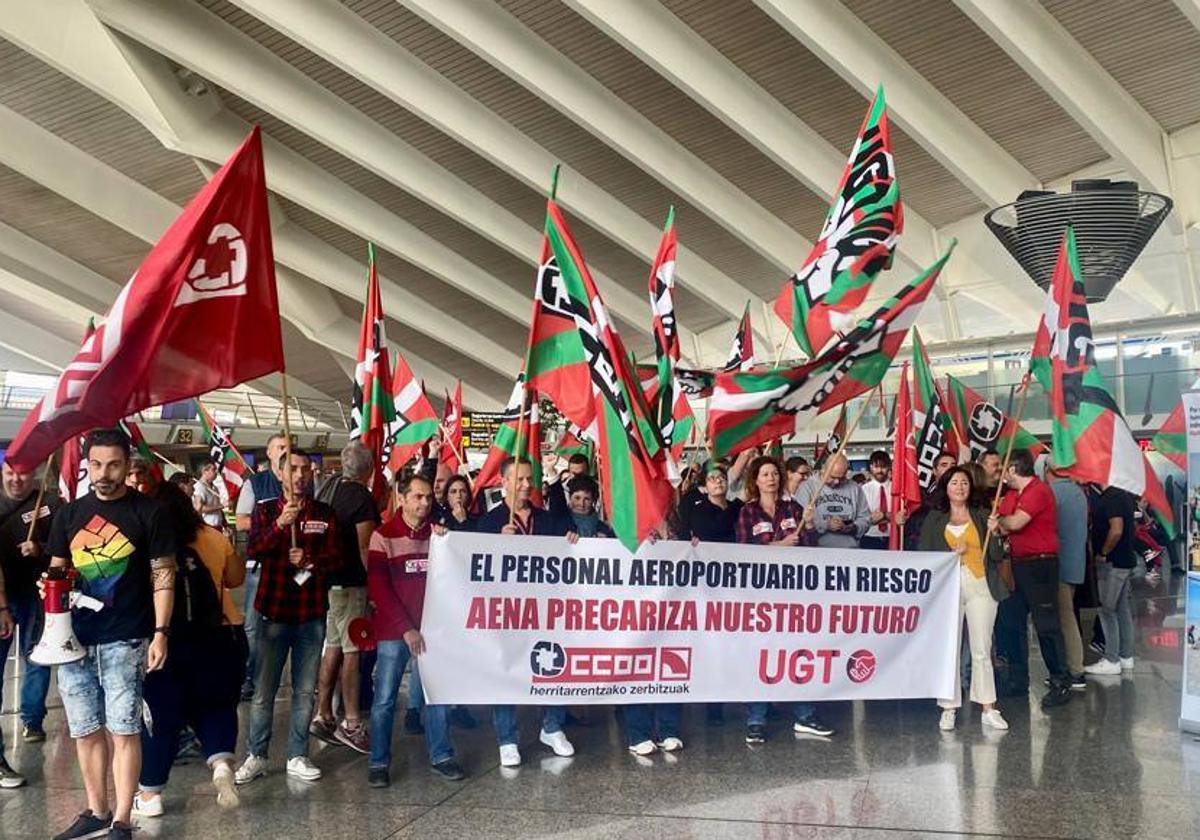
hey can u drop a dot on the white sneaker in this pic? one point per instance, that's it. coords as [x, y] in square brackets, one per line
[1103, 668]
[223, 781]
[947, 720]
[253, 767]
[147, 807]
[643, 748]
[299, 767]
[510, 756]
[558, 742]
[671, 744]
[1126, 663]
[992, 719]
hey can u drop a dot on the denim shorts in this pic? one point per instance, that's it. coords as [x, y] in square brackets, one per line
[105, 689]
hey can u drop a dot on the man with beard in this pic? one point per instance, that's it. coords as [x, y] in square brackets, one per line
[879, 496]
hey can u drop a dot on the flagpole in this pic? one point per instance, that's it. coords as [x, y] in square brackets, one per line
[460, 455]
[41, 495]
[830, 457]
[1007, 456]
[511, 493]
[287, 448]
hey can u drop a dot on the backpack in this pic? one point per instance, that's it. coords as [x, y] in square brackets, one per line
[197, 601]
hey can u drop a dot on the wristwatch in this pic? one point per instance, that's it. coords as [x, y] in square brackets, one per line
[166, 631]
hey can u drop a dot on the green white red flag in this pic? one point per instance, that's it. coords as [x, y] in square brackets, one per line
[983, 425]
[577, 359]
[1089, 437]
[856, 242]
[451, 430]
[750, 408]
[931, 422]
[741, 352]
[906, 485]
[573, 442]
[372, 408]
[1171, 438]
[504, 446]
[231, 466]
[143, 448]
[670, 405]
[415, 421]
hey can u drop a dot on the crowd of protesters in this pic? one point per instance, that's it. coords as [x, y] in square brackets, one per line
[173, 652]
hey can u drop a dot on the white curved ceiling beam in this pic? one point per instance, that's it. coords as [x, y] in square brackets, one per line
[852, 49]
[502, 41]
[113, 196]
[1191, 10]
[344, 39]
[199, 126]
[218, 51]
[1044, 49]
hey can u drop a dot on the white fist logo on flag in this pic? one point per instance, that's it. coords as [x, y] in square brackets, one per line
[230, 266]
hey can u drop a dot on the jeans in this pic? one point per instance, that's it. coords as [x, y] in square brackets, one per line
[35, 680]
[1072, 641]
[504, 721]
[416, 693]
[1116, 613]
[199, 686]
[978, 607]
[644, 720]
[390, 659]
[275, 641]
[252, 623]
[756, 713]
[1036, 595]
[104, 689]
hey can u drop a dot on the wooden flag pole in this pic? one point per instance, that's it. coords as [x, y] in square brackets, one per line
[460, 455]
[511, 493]
[41, 496]
[287, 448]
[1007, 456]
[829, 457]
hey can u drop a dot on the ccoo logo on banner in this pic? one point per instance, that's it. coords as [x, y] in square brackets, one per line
[521, 619]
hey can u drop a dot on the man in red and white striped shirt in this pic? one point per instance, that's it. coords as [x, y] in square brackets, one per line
[397, 561]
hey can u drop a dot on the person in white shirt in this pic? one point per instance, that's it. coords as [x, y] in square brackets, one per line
[209, 501]
[878, 491]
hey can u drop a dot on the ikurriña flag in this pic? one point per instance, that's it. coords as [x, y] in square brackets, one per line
[753, 407]
[577, 359]
[414, 423]
[200, 313]
[372, 408]
[856, 242]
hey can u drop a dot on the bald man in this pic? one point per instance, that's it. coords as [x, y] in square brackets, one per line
[834, 506]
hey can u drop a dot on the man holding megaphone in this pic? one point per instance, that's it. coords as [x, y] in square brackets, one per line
[116, 541]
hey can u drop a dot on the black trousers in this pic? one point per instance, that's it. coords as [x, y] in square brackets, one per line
[1036, 597]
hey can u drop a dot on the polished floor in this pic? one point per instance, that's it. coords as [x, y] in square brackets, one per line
[1110, 764]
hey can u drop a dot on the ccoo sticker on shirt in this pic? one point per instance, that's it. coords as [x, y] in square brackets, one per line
[788, 524]
[762, 528]
[310, 526]
[416, 566]
[42, 513]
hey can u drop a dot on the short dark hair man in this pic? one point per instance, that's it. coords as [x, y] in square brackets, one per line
[116, 540]
[525, 518]
[1028, 517]
[992, 463]
[293, 602]
[878, 492]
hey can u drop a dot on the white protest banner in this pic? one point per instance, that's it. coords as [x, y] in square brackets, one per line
[536, 620]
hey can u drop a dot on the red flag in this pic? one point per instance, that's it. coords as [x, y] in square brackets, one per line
[906, 486]
[451, 430]
[73, 479]
[211, 274]
[741, 352]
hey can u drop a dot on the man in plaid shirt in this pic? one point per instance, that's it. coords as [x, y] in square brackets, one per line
[292, 601]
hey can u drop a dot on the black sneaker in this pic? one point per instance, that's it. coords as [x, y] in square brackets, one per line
[714, 715]
[32, 733]
[1058, 695]
[378, 777]
[448, 770]
[120, 831]
[756, 733]
[412, 722]
[812, 726]
[460, 717]
[1078, 682]
[86, 825]
[9, 778]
